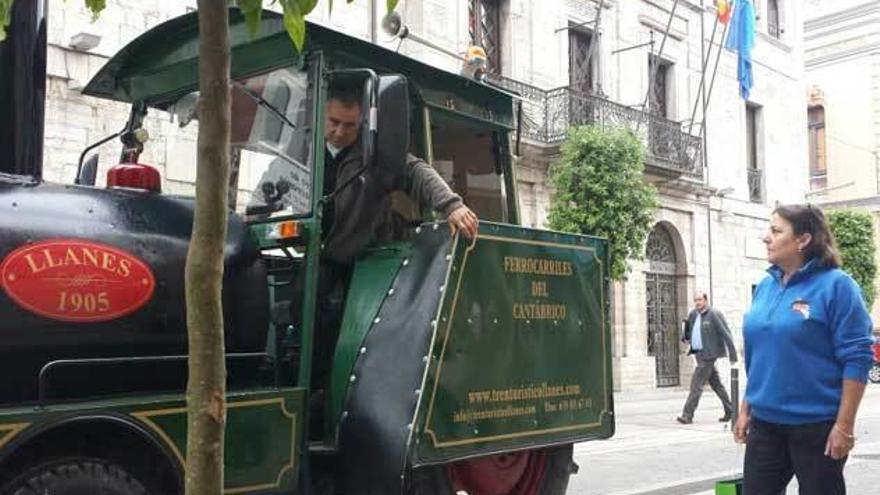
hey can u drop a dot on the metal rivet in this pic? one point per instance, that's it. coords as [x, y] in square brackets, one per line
[418, 392]
[470, 321]
[405, 262]
[377, 320]
[418, 230]
[425, 358]
[363, 350]
[390, 292]
[352, 378]
[433, 323]
[344, 414]
[476, 431]
[448, 257]
[409, 427]
[528, 322]
[436, 226]
[442, 288]
[495, 320]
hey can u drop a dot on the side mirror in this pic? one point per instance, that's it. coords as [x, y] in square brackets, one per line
[391, 116]
[89, 172]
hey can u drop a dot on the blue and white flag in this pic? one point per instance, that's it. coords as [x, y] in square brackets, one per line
[741, 39]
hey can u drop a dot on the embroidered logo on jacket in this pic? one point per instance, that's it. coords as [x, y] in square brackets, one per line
[802, 307]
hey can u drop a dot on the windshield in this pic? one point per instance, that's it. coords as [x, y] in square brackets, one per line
[271, 141]
[271, 138]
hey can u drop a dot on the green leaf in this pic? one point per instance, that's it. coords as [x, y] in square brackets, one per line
[392, 4]
[306, 6]
[600, 190]
[294, 23]
[253, 12]
[96, 6]
[5, 13]
[854, 233]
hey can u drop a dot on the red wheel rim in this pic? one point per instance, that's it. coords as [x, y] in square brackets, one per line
[517, 473]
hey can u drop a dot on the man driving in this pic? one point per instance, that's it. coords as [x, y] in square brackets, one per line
[359, 213]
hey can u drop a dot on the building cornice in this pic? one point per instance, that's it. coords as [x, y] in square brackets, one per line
[857, 12]
[865, 50]
[869, 22]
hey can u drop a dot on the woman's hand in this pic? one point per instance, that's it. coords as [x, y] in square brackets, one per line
[741, 428]
[840, 441]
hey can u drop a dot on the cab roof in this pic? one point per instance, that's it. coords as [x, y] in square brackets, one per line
[161, 65]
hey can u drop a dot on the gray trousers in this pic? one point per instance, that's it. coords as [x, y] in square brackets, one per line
[705, 372]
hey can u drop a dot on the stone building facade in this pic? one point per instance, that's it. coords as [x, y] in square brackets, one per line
[714, 210]
[842, 59]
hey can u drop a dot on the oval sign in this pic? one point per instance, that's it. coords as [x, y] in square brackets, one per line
[75, 280]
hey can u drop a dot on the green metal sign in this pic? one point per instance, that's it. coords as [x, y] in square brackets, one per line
[522, 350]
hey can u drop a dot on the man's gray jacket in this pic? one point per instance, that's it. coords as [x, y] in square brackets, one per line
[362, 211]
[716, 338]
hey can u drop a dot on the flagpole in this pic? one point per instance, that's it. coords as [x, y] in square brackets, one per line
[705, 65]
[656, 65]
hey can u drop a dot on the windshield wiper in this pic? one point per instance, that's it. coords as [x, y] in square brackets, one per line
[263, 103]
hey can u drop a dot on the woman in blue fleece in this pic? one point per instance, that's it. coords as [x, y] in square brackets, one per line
[807, 356]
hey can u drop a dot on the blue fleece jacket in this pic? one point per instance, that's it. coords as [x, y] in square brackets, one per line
[802, 339]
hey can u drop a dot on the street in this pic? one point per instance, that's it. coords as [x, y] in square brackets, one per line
[651, 454]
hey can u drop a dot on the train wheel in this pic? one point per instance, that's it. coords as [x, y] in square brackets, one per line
[530, 472]
[76, 477]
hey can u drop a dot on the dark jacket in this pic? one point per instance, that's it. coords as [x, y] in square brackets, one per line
[716, 337]
[362, 211]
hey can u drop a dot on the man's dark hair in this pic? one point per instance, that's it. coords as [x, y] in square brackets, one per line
[809, 219]
[345, 91]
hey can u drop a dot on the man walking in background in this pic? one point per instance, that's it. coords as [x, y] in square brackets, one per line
[709, 336]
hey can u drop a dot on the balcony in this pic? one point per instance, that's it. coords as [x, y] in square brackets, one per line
[548, 114]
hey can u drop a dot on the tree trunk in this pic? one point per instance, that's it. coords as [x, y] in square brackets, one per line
[206, 387]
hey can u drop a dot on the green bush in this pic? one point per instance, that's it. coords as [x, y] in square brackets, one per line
[855, 236]
[600, 190]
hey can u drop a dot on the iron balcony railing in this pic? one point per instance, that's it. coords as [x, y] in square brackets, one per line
[548, 114]
[756, 185]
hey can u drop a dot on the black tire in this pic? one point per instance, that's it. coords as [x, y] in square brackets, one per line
[76, 477]
[874, 373]
[560, 467]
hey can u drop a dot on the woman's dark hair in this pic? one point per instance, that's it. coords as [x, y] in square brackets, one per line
[809, 219]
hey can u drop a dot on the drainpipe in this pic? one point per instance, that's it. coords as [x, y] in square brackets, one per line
[374, 23]
[703, 153]
[709, 235]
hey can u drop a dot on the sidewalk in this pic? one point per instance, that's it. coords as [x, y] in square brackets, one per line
[652, 454]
